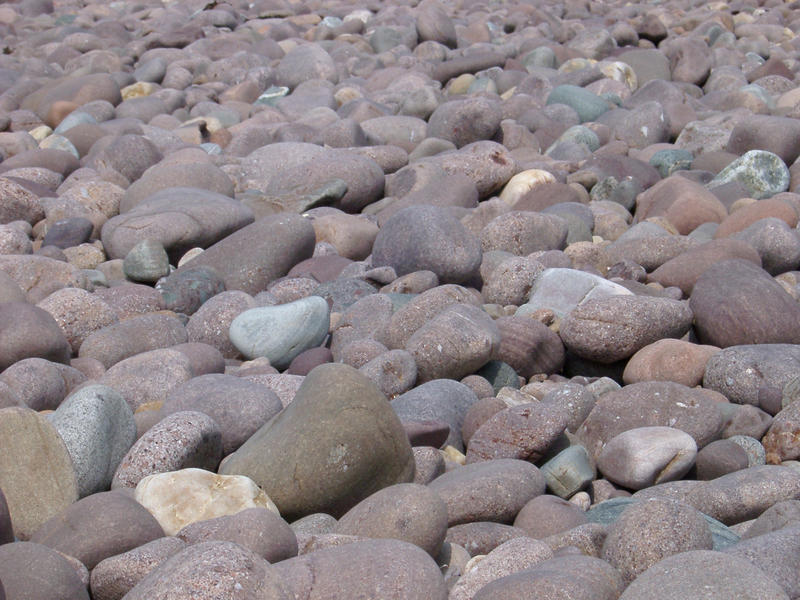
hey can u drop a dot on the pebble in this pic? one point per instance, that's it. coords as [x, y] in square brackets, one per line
[645, 456]
[528, 167]
[281, 332]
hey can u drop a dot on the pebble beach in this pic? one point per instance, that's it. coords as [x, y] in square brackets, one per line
[334, 300]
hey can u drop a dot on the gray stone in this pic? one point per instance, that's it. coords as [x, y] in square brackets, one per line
[146, 262]
[588, 105]
[569, 471]
[646, 456]
[706, 574]
[98, 429]
[561, 290]
[762, 173]
[281, 332]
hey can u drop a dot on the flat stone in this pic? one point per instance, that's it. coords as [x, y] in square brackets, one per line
[36, 473]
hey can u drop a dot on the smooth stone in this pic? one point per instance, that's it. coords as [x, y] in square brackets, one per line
[203, 571]
[720, 458]
[146, 262]
[578, 577]
[510, 282]
[778, 516]
[240, 407]
[27, 331]
[281, 332]
[775, 553]
[776, 242]
[762, 173]
[745, 494]
[420, 309]
[258, 529]
[684, 269]
[441, 400]
[456, 342]
[524, 432]
[489, 490]
[36, 473]
[708, 574]
[774, 134]
[652, 530]
[38, 383]
[394, 372]
[19, 203]
[148, 376]
[53, 577]
[78, 313]
[119, 341]
[748, 214]
[6, 529]
[735, 302]
[338, 432]
[68, 232]
[186, 439]
[669, 360]
[645, 456]
[185, 291]
[753, 373]
[259, 253]
[178, 498]
[166, 174]
[401, 571]
[98, 429]
[569, 471]
[524, 232]
[115, 576]
[547, 515]
[210, 323]
[529, 346]
[464, 121]
[610, 329]
[99, 526]
[588, 105]
[562, 290]
[695, 411]
[510, 557]
[427, 238]
[684, 203]
[405, 511]
[180, 218]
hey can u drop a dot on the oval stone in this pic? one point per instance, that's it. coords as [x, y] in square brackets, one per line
[646, 456]
[281, 332]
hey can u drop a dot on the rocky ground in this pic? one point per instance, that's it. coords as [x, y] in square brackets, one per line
[399, 300]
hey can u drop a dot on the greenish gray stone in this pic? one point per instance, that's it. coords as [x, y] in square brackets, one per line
[581, 134]
[281, 332]
[756, 454]
[589, 106]
[185, 291]
[622, 192]
[543, 56]
[59, 142]
[669, 161]
[762, 173]
[609, 511]
[791, 392]
[569, 471]
[298, 199]
[338, 442]
[74, 118]
[146, 262]
[499, 374]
